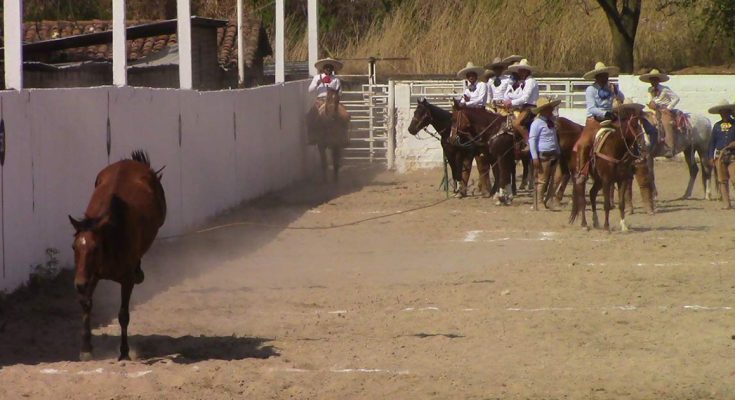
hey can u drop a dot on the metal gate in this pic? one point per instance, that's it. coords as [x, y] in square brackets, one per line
[370, 138]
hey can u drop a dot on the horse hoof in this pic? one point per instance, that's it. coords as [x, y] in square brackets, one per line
[123, 358]
[85, 356]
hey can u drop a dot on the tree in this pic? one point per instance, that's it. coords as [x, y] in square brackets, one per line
[623, 22]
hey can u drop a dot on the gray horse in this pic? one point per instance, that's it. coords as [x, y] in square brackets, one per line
[695, 140]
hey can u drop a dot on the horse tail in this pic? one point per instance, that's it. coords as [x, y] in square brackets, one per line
[141, 157]
[575, 202]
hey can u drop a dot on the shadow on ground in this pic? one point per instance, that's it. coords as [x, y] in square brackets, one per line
[42, 323]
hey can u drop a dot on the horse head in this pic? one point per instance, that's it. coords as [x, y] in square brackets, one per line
[91, 239]
[421, 117]
[332, 103]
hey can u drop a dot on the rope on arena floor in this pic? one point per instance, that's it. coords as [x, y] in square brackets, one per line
[306, 228]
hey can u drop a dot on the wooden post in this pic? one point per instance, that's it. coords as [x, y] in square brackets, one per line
[280, 42]
[313, 17]
[240, 47]
[13, 20]
[119, 53]
[183, 36]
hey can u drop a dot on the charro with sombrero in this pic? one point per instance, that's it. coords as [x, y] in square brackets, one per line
[599, 98]
[322, 83]
[497, 83]
[475, 92]
[663, 101]
[522, 94]
[543, 142]
[722, 148]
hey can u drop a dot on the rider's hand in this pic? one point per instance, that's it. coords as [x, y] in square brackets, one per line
[507, 103]
[536, 163]
[609, 115]
[466, 98]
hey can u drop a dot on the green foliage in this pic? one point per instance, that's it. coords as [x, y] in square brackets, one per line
[720, 19]
[35, 10]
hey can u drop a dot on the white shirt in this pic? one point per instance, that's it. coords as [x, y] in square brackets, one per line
[526, 93]
[497, 93]
[477, 97]
[321, 87]
[666, 97]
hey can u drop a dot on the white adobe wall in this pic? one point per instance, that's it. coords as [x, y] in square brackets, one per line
[232, 149]
[697, 92]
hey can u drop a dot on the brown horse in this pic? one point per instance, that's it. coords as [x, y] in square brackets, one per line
[458, 158]
[329, 122]
[568, 132]
[618, 156]
[483, 132]
[122, 219]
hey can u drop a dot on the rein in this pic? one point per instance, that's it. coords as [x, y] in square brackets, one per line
[474, 140]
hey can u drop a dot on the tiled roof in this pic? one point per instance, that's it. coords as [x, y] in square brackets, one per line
[256, 44]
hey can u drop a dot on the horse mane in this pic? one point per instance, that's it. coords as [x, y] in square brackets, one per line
[434, 109]
[141, 157]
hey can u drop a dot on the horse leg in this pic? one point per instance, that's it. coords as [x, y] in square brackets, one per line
[693, 171]
[706, 173]
[336, 154]
[607, 192]
[623, 194]
[628, 195]
[126, 289]
[561, 176]
[483, 168]
[594, 190]
[525, 161]
[466, 173]
[323, 158]
[85, 300]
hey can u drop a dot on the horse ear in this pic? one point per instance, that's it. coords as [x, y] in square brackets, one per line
[75, 223]
[422, 100]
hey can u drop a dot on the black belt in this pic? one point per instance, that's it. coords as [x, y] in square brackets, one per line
[548, 153]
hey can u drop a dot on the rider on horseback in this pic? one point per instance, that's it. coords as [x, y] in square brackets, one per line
[322, 83]
[722, 148]
[662, 100]
[545, 149]
[475, 93]
[599, 98]
[497, 84]
[522, 94]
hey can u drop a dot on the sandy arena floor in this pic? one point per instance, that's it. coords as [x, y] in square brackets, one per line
[456, 299]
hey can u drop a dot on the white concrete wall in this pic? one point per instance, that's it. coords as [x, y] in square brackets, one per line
[697, 92]
[232, 149]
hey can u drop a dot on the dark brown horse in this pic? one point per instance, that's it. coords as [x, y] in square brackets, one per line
[458, 158]
[122, 219]
[330, 126]
[484, 132]
[617, 157]
[568, 132]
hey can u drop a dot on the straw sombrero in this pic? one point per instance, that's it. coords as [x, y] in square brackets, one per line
[471, 67]
[512, 59]
[655, 73]
[329, 61]
[721, 105]
[497, 62]
[628, 104]
[545, 102]
[601, 68]
[523, 64]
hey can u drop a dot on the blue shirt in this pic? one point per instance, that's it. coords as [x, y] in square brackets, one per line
[600, 100]
[723, 133]
[542, 137]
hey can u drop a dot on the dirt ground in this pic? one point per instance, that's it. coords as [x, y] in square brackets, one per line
[378, 288]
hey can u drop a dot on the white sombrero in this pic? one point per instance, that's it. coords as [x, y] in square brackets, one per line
[545, 102]
[497, 62]
[601, 68]
[655, 73]
[471, 67]
[523, 64]
[329, 61]
[721, 106]
[512, 59]
[628, 104]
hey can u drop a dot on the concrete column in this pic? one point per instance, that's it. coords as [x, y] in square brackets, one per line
[313, 17]
[280, 42]
[391, 131]
[119, 53]
[183, 36]
[13, 27]
[240, 47]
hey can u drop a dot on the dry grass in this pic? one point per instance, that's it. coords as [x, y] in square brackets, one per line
[560, 37]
